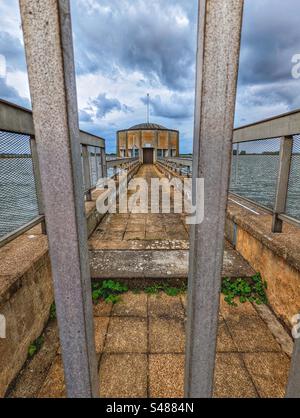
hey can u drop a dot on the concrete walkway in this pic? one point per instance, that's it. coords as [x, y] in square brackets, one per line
[140, 345]
[140, 341]
[149, 247]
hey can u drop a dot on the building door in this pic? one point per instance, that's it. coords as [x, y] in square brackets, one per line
[148, 155]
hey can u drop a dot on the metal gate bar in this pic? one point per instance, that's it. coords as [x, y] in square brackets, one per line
[49, 52]
[219, 31]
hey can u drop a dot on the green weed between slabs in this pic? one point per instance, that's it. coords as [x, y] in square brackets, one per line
[52, 315]
[251, 290]
[109, 291]
[35, 347]
[170, 291]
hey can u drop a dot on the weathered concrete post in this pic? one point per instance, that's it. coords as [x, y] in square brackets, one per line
[285, 160]
[104, 163]
[293, 387]
[87, 172]
[217, 68]
[49, 51]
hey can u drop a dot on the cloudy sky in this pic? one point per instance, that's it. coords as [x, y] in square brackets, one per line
[127, 48]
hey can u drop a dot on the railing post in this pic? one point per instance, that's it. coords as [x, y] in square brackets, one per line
[37, 181]
[293, 387]
[285, 160]
[237, 163]
[104, 164]
[87, 173]
[217, 68]
[49, 52]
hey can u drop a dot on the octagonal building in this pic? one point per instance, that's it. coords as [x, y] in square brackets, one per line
[148, 141]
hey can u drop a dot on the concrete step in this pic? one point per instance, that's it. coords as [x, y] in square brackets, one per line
[139, 268]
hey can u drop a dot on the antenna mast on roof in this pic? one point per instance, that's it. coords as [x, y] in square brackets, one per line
[148, 108]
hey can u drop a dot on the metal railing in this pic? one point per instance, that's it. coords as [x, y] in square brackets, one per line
[180, 166]
[265, 170]
[266, 166]
[21, 199]
[114, 167]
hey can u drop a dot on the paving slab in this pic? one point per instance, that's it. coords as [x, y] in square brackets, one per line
[164, 306]
[166, 375]
[127, 335]
[123, 376]
[269, 372]
[252, 335]
[166, 336]
[131, 304]
[102, 308]
[232, 379]
[225, 341]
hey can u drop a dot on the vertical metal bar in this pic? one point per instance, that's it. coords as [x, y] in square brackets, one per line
[50, 60]
[293, 387]
[104, 164]
[87, 172]
[219, 31]
[237, 167]
[37, 181]
[285, 160]
[97, 166]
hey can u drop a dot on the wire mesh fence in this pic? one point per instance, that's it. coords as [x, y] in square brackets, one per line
[95, 165]
[18, 199]
[293, 196]
[254, 172]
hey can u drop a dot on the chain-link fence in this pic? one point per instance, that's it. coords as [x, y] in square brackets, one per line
[95, 165]
[293, 197]
[254, 173]
[18, 198]
[255, 170]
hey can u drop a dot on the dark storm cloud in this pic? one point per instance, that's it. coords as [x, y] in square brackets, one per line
[156, 38]
[106, 105]
[10, 94]
[270, 38]
[177, 107]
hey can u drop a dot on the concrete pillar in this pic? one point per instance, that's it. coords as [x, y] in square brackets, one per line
[49, 52]
[217, 68]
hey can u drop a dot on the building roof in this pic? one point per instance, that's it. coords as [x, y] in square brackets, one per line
[147, 126]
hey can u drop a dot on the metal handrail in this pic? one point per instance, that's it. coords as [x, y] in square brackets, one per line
[18, 120]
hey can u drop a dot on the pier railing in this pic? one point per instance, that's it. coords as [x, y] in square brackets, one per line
[265, 167]
[21, 196]
[114, 167]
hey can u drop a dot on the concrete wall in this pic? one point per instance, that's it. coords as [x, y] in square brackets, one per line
[26, 295]
[127, 140]
[268, 255]
[25, 299]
